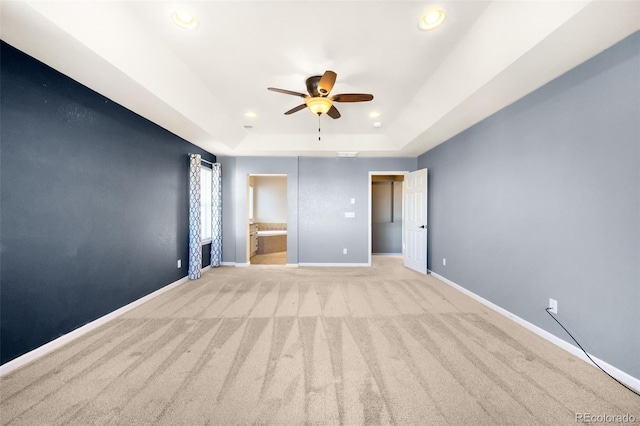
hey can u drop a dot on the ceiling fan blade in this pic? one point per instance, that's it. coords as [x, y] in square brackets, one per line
[326, 82]
[333, 112]
[288, 92]
[296, 109]
[352, 97]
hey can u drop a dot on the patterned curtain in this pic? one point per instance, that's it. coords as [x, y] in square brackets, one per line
[216, 216]
[195, 246]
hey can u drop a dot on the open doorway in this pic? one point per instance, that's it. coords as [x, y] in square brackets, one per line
[267, 219]
[386, 223]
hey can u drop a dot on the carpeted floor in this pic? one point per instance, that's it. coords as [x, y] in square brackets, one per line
[292, 346]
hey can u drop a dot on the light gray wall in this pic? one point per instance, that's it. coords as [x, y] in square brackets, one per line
[228, 168]
[319, 191]
[270, 199]
[542, 200]
[326, 188]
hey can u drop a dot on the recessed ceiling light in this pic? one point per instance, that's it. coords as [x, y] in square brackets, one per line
[184, 19]
[374, 114]
[432, 19]
[377, 124]
[250, 114]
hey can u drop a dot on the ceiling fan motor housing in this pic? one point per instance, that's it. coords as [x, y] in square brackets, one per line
[312, 86]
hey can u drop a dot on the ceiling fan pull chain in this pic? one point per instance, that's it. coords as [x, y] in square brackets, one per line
[318, 127]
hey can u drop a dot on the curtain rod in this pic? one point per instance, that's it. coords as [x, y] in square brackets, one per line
[206, 161]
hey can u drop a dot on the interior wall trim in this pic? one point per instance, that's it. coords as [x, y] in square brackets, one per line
[623, 376]
[38, 352]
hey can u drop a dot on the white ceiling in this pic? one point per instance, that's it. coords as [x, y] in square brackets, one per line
[428, 86]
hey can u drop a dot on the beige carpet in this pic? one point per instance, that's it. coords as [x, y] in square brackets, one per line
[291, 346]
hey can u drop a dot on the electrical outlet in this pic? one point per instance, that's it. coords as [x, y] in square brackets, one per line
[444, 262]
[553, 306]
[344, 251]
[179, 263]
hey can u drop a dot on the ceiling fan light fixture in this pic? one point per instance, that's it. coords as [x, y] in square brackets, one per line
[431, 20]
[184, 19]
[319, 105]
[374, 114]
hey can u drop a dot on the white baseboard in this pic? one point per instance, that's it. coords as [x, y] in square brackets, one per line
[244, 265]
[624, 377]
[295, 265]
[335, 265]
[63, 340]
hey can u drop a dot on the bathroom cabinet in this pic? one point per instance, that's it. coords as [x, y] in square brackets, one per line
[253, 238]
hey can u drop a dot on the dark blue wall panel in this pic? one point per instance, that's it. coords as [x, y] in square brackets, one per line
[94, 205]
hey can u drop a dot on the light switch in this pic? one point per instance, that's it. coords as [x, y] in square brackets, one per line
[349, 214]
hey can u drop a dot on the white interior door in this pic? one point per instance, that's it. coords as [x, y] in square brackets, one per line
[415, 225]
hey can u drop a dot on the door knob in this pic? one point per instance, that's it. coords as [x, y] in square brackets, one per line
[423, 226]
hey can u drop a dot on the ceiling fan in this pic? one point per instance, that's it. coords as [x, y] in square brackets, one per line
[318, 100]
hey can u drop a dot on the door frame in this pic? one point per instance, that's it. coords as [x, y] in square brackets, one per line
[371, 175]
[247, 236]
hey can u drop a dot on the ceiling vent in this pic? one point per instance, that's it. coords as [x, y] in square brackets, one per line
[347, 154]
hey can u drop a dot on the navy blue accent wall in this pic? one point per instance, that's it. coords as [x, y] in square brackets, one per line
[94, 205]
